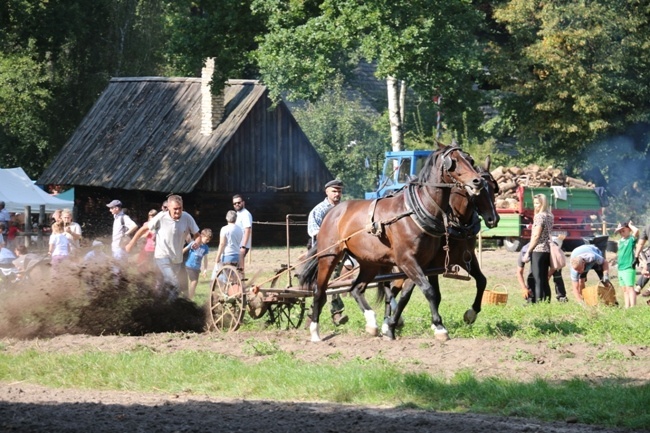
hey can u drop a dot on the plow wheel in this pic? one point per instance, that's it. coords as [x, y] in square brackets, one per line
[227, 300]
[287, 313]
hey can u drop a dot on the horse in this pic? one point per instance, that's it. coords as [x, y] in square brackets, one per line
[459, 251]
[403, 231]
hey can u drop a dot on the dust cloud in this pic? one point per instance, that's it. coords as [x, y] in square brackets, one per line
[93, 299]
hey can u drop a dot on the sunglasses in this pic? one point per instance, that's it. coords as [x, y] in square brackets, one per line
[235, 203]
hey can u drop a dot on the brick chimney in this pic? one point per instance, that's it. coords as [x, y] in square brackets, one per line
[212, 106]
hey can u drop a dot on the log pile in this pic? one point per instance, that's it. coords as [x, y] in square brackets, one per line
[509, 178]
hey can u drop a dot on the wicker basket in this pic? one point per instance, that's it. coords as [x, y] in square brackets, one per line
[497, 296]
[601, 293]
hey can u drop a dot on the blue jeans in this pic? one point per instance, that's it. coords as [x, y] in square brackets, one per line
[169, 272]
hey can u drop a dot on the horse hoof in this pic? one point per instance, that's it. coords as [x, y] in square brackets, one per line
[441, 335]
[313, 330]
[469, 317]
[385, 329]
[374, 331]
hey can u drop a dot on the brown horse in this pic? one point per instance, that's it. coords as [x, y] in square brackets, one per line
[459, 249]
[403, 231]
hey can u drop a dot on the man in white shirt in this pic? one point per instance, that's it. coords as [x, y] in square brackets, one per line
[245, 222]
[171, 229]
[123, 227]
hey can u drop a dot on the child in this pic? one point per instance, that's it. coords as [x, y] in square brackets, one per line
[59, 244]
[197, 259]
[12, 233]
[626, 270]
[145, 257]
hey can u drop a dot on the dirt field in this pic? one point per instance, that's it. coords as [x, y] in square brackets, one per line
[28, 408]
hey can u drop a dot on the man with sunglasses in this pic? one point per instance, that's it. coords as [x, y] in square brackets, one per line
[245, 222]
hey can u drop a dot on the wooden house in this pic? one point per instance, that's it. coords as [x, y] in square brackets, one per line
[148, 137]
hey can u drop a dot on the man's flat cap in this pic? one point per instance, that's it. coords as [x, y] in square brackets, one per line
[334, 184]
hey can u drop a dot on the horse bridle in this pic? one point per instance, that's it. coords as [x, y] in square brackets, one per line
[448, 165]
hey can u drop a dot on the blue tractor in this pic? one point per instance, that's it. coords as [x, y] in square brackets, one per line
[399, 167]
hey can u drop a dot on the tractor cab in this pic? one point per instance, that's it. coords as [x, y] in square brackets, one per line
[399, 168]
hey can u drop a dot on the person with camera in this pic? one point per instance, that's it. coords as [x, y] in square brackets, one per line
[72, 231]
[123, 228]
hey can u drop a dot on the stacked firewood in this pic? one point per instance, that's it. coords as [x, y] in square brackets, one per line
[509, 178]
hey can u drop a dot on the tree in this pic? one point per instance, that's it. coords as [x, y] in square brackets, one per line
[347, 135]
[430, 45]
[24, 96]
[69, 49]
[223, 29]
[571, 73]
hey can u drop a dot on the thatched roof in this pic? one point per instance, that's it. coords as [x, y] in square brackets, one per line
[145, 134]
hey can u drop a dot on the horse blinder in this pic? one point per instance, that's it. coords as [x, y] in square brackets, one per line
[448, 163]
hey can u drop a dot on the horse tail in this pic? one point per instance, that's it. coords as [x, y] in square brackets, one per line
[309, 270]
[381, 293]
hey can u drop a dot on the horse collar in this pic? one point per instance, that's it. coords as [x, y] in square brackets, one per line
[428, 222]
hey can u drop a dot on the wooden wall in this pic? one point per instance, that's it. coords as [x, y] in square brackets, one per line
[269, 210]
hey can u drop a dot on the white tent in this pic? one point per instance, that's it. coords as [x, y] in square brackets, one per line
[17, 191]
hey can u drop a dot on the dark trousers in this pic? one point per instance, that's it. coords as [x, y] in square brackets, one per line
[539, 265]
[558, 281]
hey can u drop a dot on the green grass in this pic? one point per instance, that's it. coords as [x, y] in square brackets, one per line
[554, 322]
[279, 376]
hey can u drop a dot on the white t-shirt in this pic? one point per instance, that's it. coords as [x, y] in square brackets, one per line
[245, 221]
[171, 235]
[76, 229]
[233, 235]
[118, 232]
[61, 244]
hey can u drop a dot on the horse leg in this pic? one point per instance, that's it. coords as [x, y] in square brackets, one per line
[326, 266]
[481, 282]
[434, 297]
[389, 301]
[358, 288]
[393, 320]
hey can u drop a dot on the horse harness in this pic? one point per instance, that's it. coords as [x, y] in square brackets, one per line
[431, 225]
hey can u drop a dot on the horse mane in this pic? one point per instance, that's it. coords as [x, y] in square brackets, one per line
[429, 166]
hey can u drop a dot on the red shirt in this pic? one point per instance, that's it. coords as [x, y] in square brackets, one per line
[11, 234]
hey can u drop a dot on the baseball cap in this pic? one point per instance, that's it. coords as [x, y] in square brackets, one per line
[114, 203]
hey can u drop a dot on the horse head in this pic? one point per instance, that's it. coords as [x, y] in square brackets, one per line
[484, 201]
[464, 206]
[452, 166]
